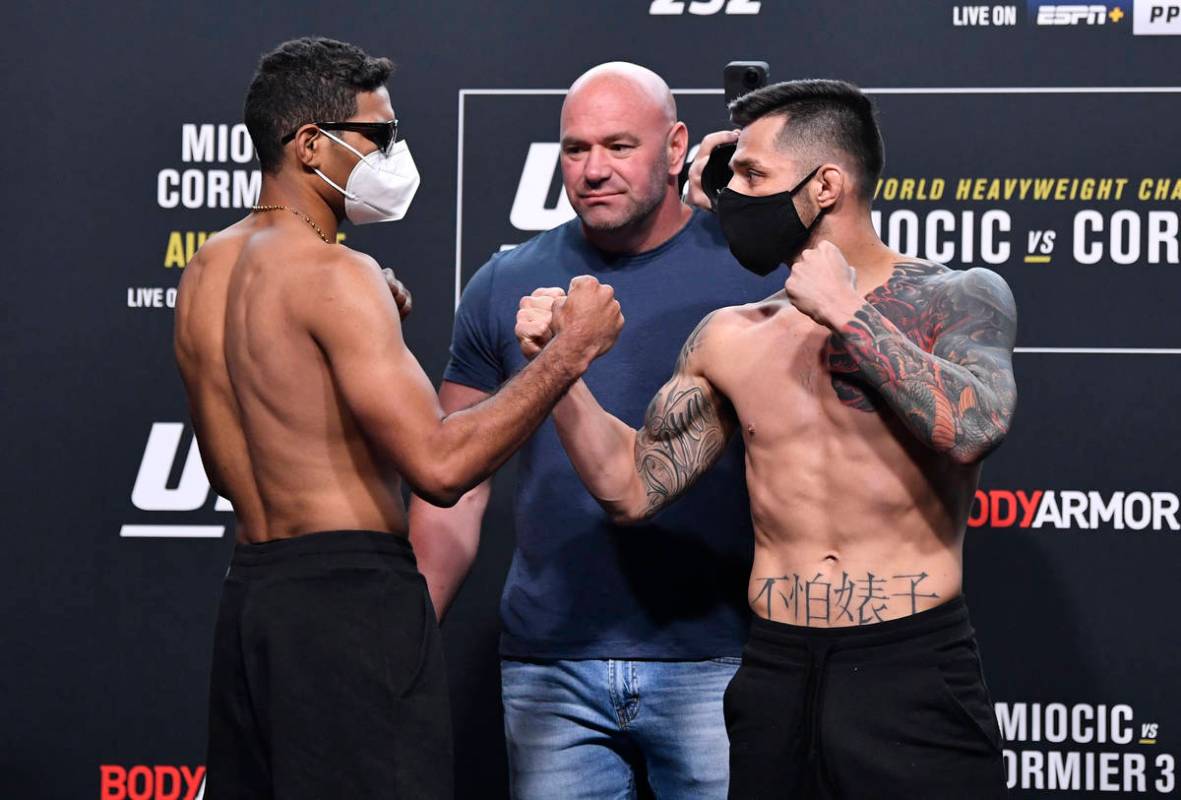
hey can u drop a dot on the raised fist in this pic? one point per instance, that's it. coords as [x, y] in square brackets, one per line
[588, 317]
[533, 319]
[400, 292]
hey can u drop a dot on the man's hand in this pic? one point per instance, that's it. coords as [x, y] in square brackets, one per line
[823, 286]
[695, 195]
[533, 319]
[588, 318]
[400, 292]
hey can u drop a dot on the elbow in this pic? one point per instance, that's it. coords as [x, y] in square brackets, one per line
[441, 496]
[624, 516]
[438, 486]
[974, 449]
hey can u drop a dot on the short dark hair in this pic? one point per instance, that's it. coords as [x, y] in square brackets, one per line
[306, 80]
[821, 113]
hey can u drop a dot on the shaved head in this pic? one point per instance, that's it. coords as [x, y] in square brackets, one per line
[647, 89]
[622, 146]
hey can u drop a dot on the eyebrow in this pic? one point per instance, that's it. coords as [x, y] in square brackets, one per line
[614, 137]
[746, 163]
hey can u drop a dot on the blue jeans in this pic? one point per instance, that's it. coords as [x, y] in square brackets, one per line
[581, 729]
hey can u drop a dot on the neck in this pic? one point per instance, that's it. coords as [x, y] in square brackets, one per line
[862, 248]
[283, 189]
[662, 224]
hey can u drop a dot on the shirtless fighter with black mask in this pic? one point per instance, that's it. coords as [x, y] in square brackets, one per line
[867, 392]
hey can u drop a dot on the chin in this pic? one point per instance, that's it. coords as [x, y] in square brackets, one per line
[601, 219]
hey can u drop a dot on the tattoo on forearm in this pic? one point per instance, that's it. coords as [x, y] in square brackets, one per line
[823, 601]
[941, 361]
[683, 432]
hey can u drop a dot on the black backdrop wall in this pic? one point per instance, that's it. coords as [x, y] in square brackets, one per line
[1047, 152]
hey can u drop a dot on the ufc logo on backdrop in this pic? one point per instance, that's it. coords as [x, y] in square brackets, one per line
[703, 8]
[151, 491]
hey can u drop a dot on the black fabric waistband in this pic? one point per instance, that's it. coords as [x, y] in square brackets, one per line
[945, 622]
[914, 639]
[324, 543]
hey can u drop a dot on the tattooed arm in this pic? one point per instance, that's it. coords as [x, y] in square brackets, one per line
[959, 398]
[633, 474]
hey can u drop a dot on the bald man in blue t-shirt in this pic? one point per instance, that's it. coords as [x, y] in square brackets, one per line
[617, 645]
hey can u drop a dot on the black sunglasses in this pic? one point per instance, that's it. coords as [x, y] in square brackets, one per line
[382, 134]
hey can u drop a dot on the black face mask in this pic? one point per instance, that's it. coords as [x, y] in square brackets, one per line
[763, 232]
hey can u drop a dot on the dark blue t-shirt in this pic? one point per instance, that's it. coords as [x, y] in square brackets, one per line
[579, 586]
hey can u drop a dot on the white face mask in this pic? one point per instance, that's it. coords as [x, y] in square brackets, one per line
[381, 185]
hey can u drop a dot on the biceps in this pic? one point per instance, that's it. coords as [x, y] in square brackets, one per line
[988, 384]
[684, 432]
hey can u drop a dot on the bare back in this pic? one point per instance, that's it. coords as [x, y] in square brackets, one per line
[856, 520]
[276, 437]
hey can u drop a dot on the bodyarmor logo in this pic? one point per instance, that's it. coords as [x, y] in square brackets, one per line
[151, 491]
[1066, 509]
[159, 782]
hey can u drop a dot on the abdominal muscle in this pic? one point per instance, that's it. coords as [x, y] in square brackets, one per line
[852, 532]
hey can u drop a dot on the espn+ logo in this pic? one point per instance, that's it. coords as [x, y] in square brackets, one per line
[1068, 509]
[159, 782]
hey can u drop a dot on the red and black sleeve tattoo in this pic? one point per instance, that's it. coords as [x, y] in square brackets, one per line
[951, 382]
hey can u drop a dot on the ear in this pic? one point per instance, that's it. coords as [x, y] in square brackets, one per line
[308, 144]
[678, 146]
[834, 181]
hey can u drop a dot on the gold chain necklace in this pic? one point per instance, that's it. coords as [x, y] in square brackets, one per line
[305, 217]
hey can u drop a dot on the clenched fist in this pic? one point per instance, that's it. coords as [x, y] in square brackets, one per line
[588, 317]
[533, 319]
[401, 294]
[823, 285]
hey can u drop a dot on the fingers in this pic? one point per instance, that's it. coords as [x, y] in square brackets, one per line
[696, 195]
[401, 294]
[582, 283]
[534, 316]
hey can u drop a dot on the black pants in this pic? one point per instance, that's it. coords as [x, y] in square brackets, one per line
[328, 678]
[897, 709]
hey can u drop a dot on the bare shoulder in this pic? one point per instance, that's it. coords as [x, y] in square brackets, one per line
[978, 286]
[971, 308]
[949, 294]
[344, 289]
[337, 269]
[731, 320]
[711, 338]
[215, 258]
[203, 293]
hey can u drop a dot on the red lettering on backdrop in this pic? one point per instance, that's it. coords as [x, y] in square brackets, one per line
[112, 782]
[979, 514]
[1029, 506]
[192, 778]
[161, 782]
[137, 777]
[1010, 516]
[167, 783]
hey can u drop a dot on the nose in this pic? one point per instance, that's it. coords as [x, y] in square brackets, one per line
[598, 167]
